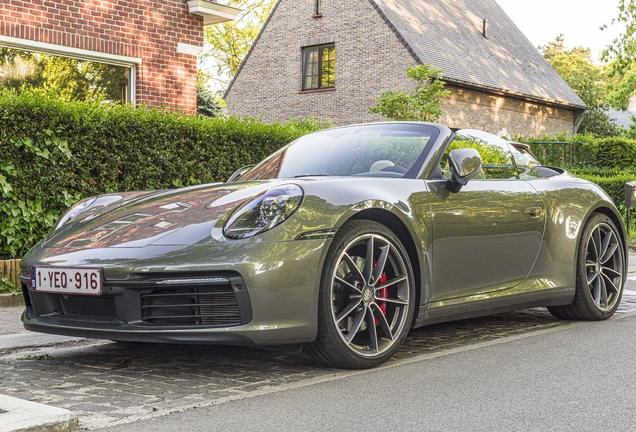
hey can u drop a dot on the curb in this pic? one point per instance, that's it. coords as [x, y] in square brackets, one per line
[18, 415]
[11, 300]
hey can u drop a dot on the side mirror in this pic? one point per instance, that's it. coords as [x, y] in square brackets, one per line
[240, 173]
[464, 164]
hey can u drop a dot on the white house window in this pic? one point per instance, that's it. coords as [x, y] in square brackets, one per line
[75, 74]
[319, 67]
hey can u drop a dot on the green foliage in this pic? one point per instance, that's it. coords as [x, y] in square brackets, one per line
[7, 287]
[611, 181]
[588, 81]
[207, 105]
[55, 153]
[422, 103]
[71, 79]
[621, 55]
[490, 154]
[615, 152]
[228, 43]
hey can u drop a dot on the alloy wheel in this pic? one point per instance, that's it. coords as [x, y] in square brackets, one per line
[604, 266]
[370, 295]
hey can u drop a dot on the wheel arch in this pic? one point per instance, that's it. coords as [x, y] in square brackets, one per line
[618, 221]
[399, 228]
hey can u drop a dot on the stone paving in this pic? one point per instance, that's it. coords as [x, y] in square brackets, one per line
[107, 383]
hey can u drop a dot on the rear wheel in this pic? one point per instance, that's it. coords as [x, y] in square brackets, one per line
[600, 273]
[366, 299]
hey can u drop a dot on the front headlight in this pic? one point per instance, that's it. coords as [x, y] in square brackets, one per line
[76, 209]
[264, 212]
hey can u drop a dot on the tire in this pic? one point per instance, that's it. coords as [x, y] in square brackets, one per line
[600, 273]
[367, 297]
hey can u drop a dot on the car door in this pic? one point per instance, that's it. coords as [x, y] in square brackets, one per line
[487, 236]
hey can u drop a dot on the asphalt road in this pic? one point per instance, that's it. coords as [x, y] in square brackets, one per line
[575, 378]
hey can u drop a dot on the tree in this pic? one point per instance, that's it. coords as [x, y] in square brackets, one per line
[422, 103]
[588, 81]
[621, 55]
[228, 43]
[207, 106]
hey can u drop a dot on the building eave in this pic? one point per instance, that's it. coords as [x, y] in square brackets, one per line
[212, 12]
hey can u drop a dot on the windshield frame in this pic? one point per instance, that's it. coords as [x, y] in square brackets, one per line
[264, 170]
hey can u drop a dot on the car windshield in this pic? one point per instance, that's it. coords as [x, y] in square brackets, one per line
[378, 150]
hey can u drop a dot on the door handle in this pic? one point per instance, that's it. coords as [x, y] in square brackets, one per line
[534, 212]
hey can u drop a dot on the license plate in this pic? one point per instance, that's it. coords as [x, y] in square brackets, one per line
[82, 281]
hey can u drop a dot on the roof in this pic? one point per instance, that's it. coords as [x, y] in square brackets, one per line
[448, 35]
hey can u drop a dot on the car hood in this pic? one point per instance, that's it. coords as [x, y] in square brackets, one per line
[137, 219]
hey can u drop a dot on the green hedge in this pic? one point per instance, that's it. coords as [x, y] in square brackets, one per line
[611, 181]
[614, 152]
[53, 153]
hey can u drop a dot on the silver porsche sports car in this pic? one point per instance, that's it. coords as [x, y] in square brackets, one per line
[340, 242]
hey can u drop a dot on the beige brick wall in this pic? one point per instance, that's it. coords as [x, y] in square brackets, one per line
[477, 110]
[369, 60]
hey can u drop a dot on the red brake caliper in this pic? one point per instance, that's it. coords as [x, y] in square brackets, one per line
[384, 293]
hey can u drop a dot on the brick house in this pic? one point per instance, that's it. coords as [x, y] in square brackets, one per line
[156, 41]
[331, 59]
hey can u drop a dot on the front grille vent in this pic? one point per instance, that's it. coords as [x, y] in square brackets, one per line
[99, 309]
[213, 305]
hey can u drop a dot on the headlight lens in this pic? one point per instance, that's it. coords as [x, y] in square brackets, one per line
[76, 209]
[263, 212]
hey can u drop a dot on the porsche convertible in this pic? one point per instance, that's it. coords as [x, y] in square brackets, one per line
[340, 242]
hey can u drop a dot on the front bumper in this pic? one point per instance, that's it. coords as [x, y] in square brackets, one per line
[271, 300]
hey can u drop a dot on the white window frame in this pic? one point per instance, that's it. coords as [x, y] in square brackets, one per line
[80, 54]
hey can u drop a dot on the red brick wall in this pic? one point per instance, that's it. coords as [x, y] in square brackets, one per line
[147, 29]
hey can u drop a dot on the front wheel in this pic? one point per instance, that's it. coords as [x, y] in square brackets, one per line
[600, 274]
[367, 297]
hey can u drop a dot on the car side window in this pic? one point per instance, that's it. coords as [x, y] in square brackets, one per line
[500, 158]
[496, 157]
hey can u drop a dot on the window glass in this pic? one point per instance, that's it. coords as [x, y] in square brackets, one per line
[72, 79]
[318, 7]
[390, 150]
[319, 67]
[496, 156]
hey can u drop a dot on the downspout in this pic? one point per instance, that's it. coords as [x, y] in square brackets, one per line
[578, 120]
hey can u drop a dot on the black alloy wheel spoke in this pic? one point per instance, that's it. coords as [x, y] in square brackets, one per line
[373, 333]
[590, 275]
[611, 273]
[382, 322]
[596, 243]
[609, 284]
[357, 322]
[596, 291]
[379, 267]
[368, 262]
[396, 301]
[609, 246]
[353, 268]
[347, 284]
[350, 308]
[605, 245]
[603, 293]
[388, 283]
